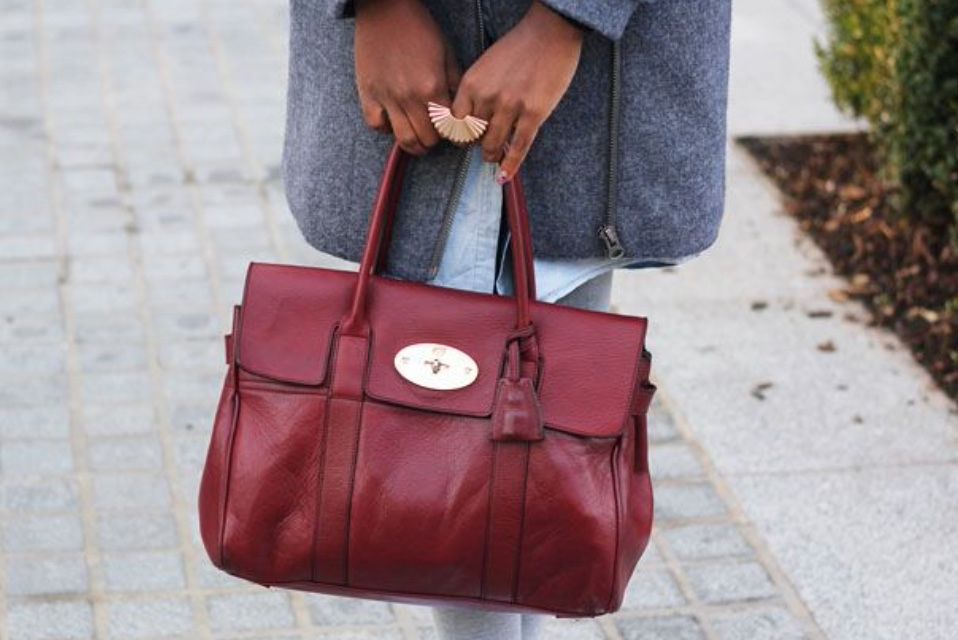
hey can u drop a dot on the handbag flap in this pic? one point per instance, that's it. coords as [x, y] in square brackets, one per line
[589, 360]
[287, 320]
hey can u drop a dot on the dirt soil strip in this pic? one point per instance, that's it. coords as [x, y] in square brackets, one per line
[905, 271]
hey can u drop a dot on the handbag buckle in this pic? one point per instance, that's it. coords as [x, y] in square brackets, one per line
[436, 366]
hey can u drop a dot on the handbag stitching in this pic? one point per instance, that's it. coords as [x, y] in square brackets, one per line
[352, 486]
[522, 522]
[228, 471]
[321, 466]
[511, 606]
[398, 405]
[617, 503]
[489, 518]
[268, 388]
[234, 427]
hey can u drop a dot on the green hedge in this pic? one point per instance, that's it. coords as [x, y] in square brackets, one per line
[895, 63]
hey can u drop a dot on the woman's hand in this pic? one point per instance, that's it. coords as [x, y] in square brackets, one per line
[402, 62]
[517, 83]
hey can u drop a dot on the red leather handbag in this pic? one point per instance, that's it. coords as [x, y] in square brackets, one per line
[393, 440]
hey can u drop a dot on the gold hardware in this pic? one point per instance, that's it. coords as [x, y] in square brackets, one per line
[436, 366]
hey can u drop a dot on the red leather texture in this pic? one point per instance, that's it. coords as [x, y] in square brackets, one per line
[527, 490]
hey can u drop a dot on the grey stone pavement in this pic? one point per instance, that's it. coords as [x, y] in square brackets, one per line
[139, 150]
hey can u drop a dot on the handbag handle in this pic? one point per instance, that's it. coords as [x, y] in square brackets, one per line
[380, 228]
[392, 204]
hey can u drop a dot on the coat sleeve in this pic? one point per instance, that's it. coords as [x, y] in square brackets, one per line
[608, 17]
[340, 8]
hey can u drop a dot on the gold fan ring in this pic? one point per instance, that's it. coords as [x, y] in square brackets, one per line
[459, 130]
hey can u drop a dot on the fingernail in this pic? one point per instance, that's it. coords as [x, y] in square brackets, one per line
[502, 177]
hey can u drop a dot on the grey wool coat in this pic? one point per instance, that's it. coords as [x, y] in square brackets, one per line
[630, 163]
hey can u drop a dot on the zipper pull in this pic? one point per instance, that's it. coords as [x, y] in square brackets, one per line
[610, 237]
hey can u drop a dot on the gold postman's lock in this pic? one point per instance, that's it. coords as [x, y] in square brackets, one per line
[436, 366]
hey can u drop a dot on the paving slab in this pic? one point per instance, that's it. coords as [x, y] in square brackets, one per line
[872, 551]
[771, 624]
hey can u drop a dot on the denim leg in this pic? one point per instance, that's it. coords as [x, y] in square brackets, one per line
[594, 294]
[532, 624]
[454, 623]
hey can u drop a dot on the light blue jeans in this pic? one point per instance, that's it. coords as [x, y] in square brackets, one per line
[471, 262]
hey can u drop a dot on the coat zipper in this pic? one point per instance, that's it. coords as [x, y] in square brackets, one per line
[465, 157]
[450, 212]
[608, 232]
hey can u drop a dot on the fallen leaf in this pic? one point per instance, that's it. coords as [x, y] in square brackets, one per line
[908, 272]
[861, 216]
[852, 192]
[861, 279]
[929, 316]
[759, 390]
[838, 295]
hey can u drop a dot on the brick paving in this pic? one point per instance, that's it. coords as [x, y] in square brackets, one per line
[139, 150]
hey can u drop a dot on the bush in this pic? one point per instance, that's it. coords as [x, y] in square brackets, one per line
[859, 59]
[895, 63]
